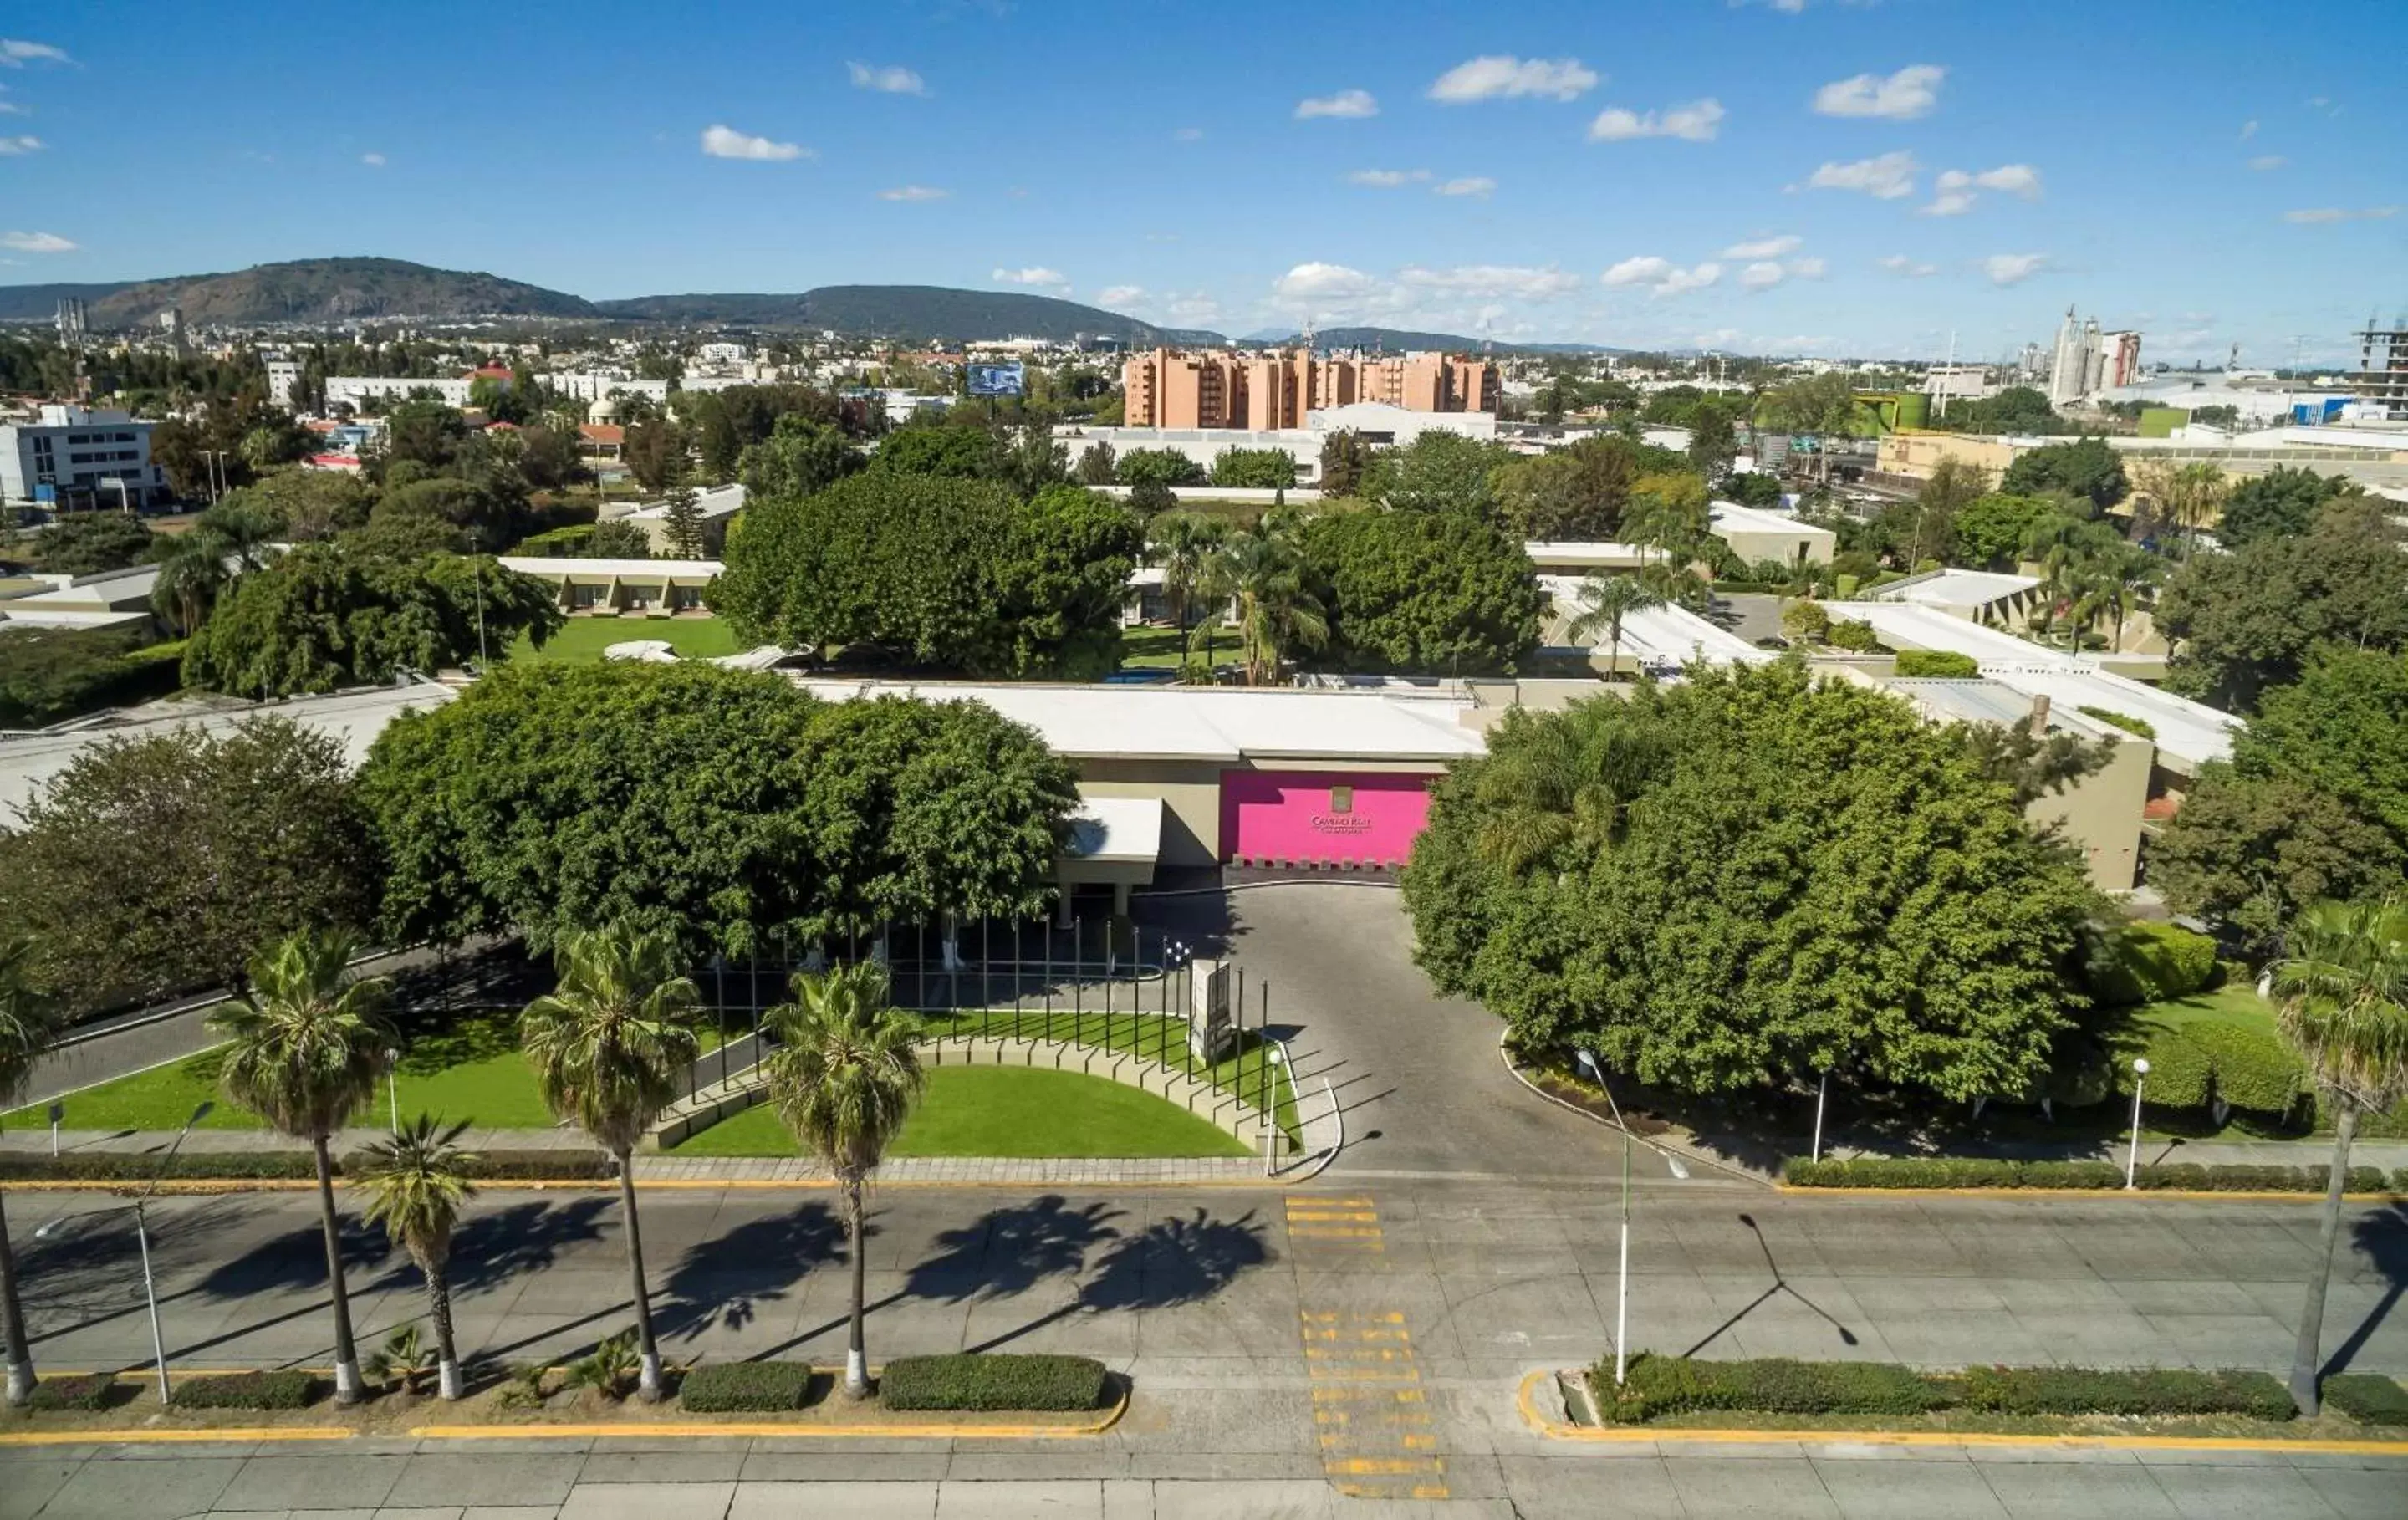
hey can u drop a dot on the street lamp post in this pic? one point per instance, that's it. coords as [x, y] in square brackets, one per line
[392, 1085]
[1622, 1282]
[2132, 1158]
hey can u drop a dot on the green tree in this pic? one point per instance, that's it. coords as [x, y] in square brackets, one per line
[844, 1076]
[1276, 609]
[305, 1051]
[681, 523]
[608, 1048]
[1606, 600]
[1258, 468]
[2087, 467]
[1578, 494]
[426, 432]
[1096, 464]
[229, 539]
[88, 543]
[946, 450]
[2186, 497]
[1184, 544]
[1991, 529]
[1952, 486]
[1423, 592]
[1344, 456]
[159, 865]
[1713, 442]
[414, 1185]
[798, 459]
[1671, 511]
[1798, 875]
[1816, 406]
[28, 1022]
[1165, 466]
[303, 505]
[1033, 461]
[2282, 503]
[1438, 471]
[2342, 1001]
[2247, 853]
[655, 452]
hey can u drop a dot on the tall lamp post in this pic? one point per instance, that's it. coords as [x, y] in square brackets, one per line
[1622, 1282]
[2132, 1158]
[392, 1086]
[142, 1240]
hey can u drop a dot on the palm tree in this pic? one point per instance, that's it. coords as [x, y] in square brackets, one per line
[308, 1046]
[1565, 783]
[2342, 998]
[1607, 599]
[1184, 543]
[844, 1077]
[415, 1184]
[1265, 571]
[224, 542]
[608, 1048]
[28, 1018]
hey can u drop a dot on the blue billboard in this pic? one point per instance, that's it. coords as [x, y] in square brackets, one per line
[998, 380]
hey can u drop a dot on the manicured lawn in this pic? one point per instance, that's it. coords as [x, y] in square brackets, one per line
[1150, 1036]
[1160, 649]
[2234, 1003]
[581, 640]
[1007, 1112]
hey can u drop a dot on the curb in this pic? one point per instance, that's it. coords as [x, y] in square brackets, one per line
[210, 1188]
[2186, 1194]
[144, 1437]
[1738, 1173]
[1660, 1435]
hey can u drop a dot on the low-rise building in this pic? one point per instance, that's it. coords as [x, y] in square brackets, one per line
[1757, 535]
[74, 457]
[717, 507]
[1991, 596]
[611, 587]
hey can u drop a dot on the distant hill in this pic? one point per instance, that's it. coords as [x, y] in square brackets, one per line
[332, 290]
[40, 303]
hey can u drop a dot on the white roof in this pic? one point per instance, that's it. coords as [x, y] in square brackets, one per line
[19, 614]
[1207, 722]
[1598, 553]
[546, 567]
[356, 718]
[1659, 636]
[1116, 829]
[1730, 517]
[1955, 588]
[716, 502]
[2189, 734]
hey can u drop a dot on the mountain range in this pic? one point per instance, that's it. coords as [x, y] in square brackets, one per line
[340, 290]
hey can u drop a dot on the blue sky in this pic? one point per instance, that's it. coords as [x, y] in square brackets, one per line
[1828, 176]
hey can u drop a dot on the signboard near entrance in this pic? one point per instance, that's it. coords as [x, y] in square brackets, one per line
[1319, 816]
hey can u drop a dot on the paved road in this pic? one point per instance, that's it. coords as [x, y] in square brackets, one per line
[1240, 1314]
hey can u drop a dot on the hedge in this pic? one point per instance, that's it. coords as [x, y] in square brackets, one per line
[2181, 1075]
[2367, 1398]
[1936, 662]
[284, 1388]
[253, 1166]
[1659, 1385]
[1911, 1172]
[2149, 962]
[2252, 1069]
[730, 1387]
[992, 1383]
[85, 1394]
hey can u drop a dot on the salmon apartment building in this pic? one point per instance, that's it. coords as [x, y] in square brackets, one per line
[1168, 388]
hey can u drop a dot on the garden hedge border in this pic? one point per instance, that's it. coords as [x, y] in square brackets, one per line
[1002, 1383]
[746, 1388]
[278, 1166]
[279, 1388]
[1907, 1173]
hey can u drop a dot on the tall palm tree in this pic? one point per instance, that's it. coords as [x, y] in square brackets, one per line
[1184, 543]
[224, 542]
[306, 1048]
[844, 1077]
[415, 1184]
[1607, 599]
[28, 1019]
[608, 1047]
[2342, 998]
[1276, 611]
[1571, 782]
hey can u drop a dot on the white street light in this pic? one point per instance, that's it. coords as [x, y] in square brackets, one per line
[2133, 1160]
[1622, 1282]
[392, 1085]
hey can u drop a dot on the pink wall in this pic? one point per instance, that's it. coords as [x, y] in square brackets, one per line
[1287, 815]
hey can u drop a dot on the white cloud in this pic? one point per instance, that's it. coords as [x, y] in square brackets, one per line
[1318, 281]
[9, 107]
[374, 160]
[2012, 268]
[1764, 248]
[1034, 275]
[1188, 134]
[2264, 162]
[16, 53]
[913, 193]
[1491, 281]
[1902, 96]
[726, 142]
[1806, 268]
[1661, 275]
[2248, 130]
[1192, 309]
[1504, 77]
[892, 80]
[1956, 191]
[1696, 122]
[1386, 178]
[13, 147]
[1898, 263]
[1478, 185]
[1345, 102]
[37, 242]
[1762, 276]
[1888, 178]
[2334, 214]
[1112, 295]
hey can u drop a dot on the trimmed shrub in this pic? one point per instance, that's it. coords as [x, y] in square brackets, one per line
[85, 1394]
[1657, 1386]
[2081, 1390]
[2124, 720]
[1853, 634]
[2179, 1074]
[728, 1387]
[2252, 1068]
[1936, 662]
[282, 1388]
[2146, 963]
[968, 1381]
[2367, 1398]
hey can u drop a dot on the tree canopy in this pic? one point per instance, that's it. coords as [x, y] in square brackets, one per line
[1748, 878]
[1438, 471]
[1990, 529]
[797, 458]
[88, 543]
[1426, 593]
[2282, 503]
[2085, 467]
[720, 806]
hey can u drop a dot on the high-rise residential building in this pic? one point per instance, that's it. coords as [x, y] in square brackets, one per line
[1279, 389]
[2382, 378]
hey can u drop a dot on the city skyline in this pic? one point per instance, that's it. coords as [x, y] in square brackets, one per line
[1815, 176]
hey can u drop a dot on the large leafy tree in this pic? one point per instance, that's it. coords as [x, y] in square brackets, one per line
[798, 458]
[88, 543]
[1580, 493]
[1990, 529]
[608, 1047]
[948, 450]
[2282, 503]
[157, 865]
[844, 1076]
[2341, 1001]
[1259, 469]
[2087, 467]
[414, 1184]
[28, 1021]
[1438, 471]
[304, 1052]
[1756, 878]
[1423, 592]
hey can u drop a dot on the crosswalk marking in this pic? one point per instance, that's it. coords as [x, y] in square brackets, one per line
[1370, 1415]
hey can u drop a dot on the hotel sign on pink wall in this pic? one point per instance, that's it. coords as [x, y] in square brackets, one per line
[1324, 817]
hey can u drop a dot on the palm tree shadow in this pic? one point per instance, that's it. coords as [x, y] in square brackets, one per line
[2380, 1236]
[493, 1248]
[1176, 1260]
[724, 1281]
[1007, 1252]
[297, 1259]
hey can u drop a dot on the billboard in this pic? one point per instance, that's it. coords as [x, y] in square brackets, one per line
[998, 380]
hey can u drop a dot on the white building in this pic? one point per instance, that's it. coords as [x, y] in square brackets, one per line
[593, 385]
[357, 391]
[718, 507]
[77, 457]
[283, 381]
